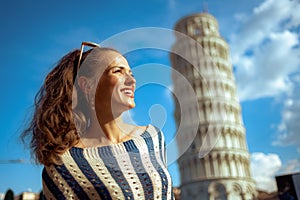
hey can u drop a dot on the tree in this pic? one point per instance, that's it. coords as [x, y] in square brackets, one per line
[9, 195]
[41, 197]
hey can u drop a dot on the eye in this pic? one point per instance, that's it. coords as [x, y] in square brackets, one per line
[117, 70]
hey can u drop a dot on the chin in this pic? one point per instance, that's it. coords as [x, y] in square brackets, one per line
[131, 106]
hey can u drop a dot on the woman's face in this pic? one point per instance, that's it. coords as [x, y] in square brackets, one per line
[116, 86]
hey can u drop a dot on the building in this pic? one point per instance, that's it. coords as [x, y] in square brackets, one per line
[28, 196]
[216, 165]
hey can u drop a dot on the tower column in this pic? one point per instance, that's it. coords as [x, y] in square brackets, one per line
[207, 67]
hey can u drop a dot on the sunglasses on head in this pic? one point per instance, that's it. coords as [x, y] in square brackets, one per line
[83, 44]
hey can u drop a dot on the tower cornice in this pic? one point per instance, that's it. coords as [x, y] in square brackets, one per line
[195, 16]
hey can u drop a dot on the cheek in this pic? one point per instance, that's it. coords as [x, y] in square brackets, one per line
[107, 85]
[113, 83]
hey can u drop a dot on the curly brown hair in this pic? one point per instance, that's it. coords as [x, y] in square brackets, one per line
[52, 129]
[58, 120]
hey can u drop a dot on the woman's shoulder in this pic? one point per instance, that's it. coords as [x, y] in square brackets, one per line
[151, 129]
[136, 130]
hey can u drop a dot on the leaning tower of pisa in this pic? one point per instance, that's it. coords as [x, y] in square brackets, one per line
[221, 170]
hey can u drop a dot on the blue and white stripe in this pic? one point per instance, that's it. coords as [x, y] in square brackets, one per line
[134, 169]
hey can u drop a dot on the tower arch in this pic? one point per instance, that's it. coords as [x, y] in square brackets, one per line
[224, 172]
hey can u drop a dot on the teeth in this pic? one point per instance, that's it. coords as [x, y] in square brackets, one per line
[128, 91]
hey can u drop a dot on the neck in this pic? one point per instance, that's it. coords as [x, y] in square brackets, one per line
[108, 128]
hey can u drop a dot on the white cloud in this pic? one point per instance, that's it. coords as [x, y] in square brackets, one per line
[292, 166]
[265, 51]
[288, 129]
[263, 168]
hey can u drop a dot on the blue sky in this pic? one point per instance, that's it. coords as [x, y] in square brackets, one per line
[264, 40]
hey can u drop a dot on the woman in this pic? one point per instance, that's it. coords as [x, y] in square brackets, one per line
[78, 134]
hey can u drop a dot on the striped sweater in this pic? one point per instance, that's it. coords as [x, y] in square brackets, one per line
[134, 169]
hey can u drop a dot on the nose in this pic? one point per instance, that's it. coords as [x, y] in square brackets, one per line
[130, 80]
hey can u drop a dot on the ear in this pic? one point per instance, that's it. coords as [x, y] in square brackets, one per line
[84, 84]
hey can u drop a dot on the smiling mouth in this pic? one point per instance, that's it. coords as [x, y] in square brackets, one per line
[128, 92]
